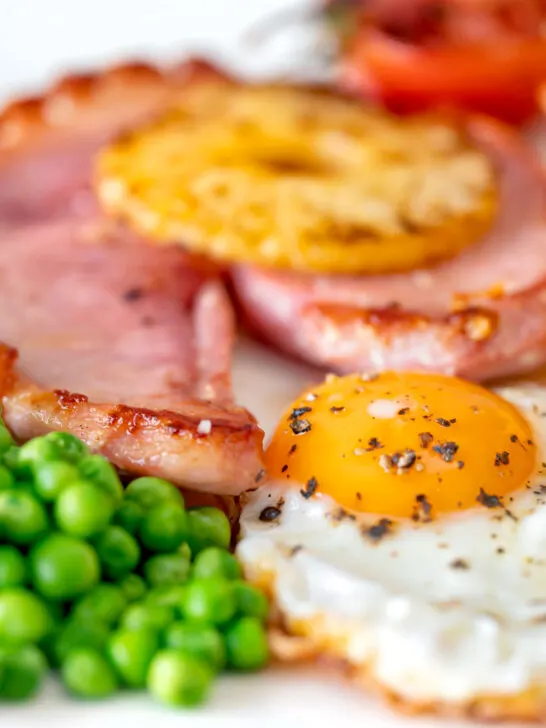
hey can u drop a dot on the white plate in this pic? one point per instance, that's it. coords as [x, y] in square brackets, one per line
[40, 39]
[278, 698]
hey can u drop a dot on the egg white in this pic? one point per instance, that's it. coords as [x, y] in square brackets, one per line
[448, 610]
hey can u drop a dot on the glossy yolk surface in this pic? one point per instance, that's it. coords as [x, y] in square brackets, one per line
[403, 445]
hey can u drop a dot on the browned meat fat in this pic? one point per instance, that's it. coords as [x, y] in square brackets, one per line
[126, 345]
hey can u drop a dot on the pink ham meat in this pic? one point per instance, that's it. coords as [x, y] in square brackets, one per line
[126, 345]
[480, 315]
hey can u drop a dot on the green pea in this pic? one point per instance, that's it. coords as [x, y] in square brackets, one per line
[209, 600]
[149, 492]
[69, 447]
[83, 510]
[13, 568]
[63, 567]
[76, 633]
[147, 616]
[178, 679]
[22, 670]
[105, 602]
[51, 478]
[167, 596]
[34, 452]
[164, 528]
[208, 526]
[23, 519]
[99, 471]
[7, 480]
[6, 440]
[246, 644]
[251, 601]
[88, 674]
[10, 459]
[197, 640]
[134, 587]
[166, 569]
[131, 652]
[23, 617]
[216, 562]
[129, 516]
[118, 551]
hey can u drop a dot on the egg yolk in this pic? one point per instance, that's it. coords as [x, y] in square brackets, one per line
[403, 445]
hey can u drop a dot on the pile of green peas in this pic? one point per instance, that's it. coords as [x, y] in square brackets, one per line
[115, 587]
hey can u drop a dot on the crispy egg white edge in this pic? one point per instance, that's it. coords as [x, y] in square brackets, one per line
[429, 629]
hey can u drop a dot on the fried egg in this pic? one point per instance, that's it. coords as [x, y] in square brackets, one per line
[403, 529]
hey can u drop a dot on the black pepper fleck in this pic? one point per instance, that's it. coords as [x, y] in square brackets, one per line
[425, 438]
[300, 427]
[379, 530]
[270, 514]
[489, 501]
[292, 449]
[460, 464]
[422, 509]
[284, 468]
[447, 450]
[502, 458]
[335, 410]
[403, 411]
[298, 412]
[341, 514]
[442, 422]
[310, 488]
[406, 459]
[374, 444]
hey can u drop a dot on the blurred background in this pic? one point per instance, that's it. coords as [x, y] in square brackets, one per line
[41, 39]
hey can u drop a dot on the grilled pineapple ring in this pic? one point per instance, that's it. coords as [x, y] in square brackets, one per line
[295, 178]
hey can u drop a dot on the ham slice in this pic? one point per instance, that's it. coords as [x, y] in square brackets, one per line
[479, 315]
[126, 345]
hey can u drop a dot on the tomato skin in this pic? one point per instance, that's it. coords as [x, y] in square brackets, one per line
[497, 79]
